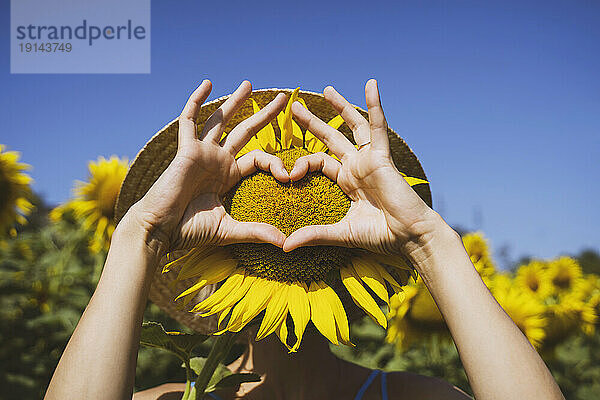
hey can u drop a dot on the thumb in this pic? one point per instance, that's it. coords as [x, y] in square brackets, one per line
[233, 231]
[318, 235]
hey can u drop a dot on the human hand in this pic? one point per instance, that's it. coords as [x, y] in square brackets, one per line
[183, 208]
[385, 214]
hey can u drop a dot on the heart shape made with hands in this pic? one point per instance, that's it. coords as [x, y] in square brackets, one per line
[313, 200]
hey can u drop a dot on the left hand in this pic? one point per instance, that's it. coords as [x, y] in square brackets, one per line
[183, 208]
[386, 214]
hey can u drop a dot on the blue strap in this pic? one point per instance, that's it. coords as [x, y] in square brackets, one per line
[365, 386]
[210, 394]
[384, 395]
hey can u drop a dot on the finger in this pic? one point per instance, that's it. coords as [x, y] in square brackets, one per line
[215, 124]
[357, 123]
[333, 139]
[377, 120]
[259, 160]
[187, 119]
[242, 133]
[250, 232]
[316, 162]
[318, 235]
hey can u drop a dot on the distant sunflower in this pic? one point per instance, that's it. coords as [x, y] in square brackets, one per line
[590, 286]
[15, 192]
[94, 200]
[594, 303]
[535, 279]
[302, 283]
[418, 316]
[415, 317]
[565, 274]
[479, 251]
[526, 310]
[567, 315]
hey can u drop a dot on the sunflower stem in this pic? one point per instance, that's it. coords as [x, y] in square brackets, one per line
[217, 354]
[188, 380]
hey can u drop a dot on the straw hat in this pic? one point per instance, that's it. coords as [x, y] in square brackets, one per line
[158, 153]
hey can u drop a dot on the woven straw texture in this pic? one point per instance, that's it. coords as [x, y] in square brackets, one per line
[158, 153]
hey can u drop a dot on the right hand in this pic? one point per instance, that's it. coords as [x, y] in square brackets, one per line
[183, 208]
[386, 214]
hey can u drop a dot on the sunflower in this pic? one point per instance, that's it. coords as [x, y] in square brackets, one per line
[525, 309]
[414, 317]
[535, 279]
[94, 200]
[15, 192]
[417, 315]
[479, 251]
[566, 275]
[590, 286]
[569, 314]
[304, 284]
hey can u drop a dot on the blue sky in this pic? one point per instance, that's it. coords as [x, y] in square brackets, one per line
[499, 100]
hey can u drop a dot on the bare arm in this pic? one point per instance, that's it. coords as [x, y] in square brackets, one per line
[387, 216]
[499, 360]
[182, 209]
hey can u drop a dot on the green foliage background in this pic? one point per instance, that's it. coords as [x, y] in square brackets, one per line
[47, 275]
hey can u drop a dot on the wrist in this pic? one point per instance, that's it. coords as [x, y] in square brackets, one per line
[432, 236]
[136, 226]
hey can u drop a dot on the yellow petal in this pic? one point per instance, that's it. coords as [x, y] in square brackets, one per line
[197, 253]
[339, 314]
[285, 122]
[414, 181]
[100, 227]
[370, 275]
[195, 266]
[222, 316]
[251, 304]
[299, 307]
[266, 136]
[230, 292]
[321, 314]
[336, 122]
[389, 278]
[282, 333]
[314, 144]
[253, 144]
[361, 297]
[216, 273]
[276, 312]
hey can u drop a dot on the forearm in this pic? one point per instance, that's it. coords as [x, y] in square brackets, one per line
[99, 360]
[498, 359]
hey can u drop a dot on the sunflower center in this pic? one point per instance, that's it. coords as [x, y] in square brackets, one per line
[5, 191]
[314, 200]
[533, 283]
[562, 280]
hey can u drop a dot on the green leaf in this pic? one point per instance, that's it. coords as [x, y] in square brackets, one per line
[235, 380]
[221, 372]
[181, 344]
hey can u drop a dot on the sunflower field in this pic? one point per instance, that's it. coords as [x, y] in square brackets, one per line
[51, 259]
